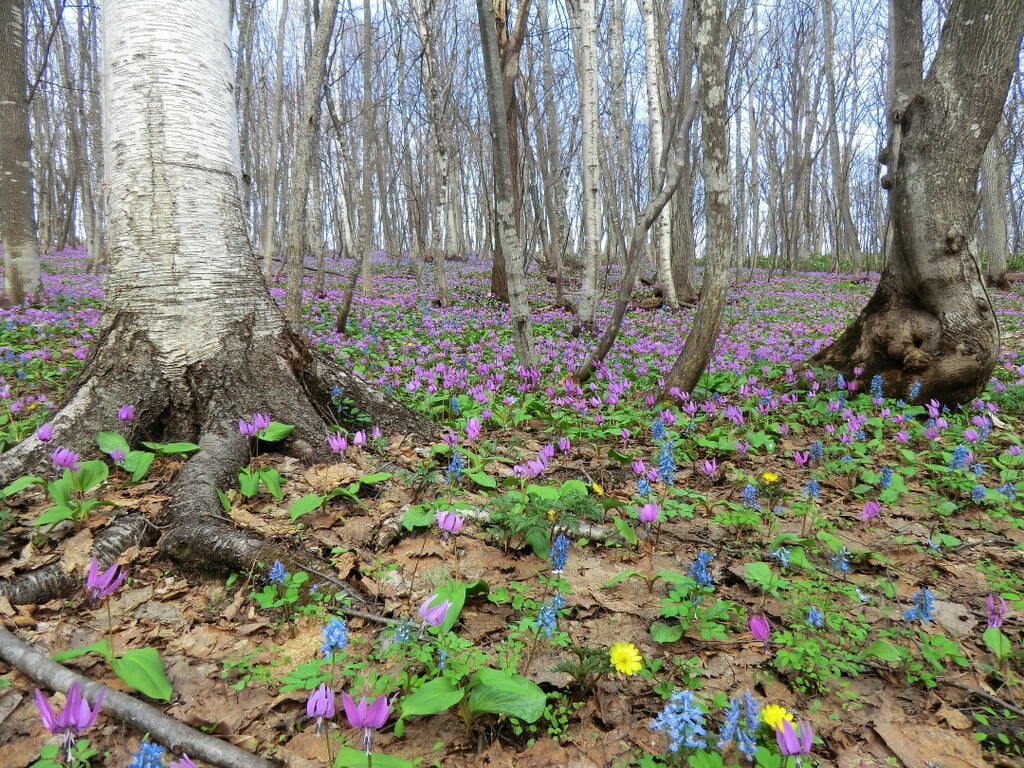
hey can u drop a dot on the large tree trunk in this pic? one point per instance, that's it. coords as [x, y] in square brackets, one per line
[190, 335]
[930, 320]
[17, 222]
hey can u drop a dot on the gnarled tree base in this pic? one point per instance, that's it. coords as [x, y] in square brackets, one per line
[202, 403]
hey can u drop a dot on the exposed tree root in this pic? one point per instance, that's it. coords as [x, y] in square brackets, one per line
[142, 717]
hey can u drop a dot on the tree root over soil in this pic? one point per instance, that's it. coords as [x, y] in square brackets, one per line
[176, 736]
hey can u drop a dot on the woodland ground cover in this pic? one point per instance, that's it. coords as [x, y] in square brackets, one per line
[774, 539]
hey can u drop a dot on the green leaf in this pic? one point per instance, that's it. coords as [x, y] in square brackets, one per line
[455, 593]
[275, 432]
[666, 633]
[89, 475]
[356, 758]
[432, 697]
[305, 505]
[142, 671]
[501, 693]
[625, 529]
[376, 477]
[100, 647]
[164, 449]
[21, 484]
[271, 480]
[621, 577]
[54, 515]
[112, 441]
[248, 482]
[482, 479]
[417, 517]
[545, 492]
[138, 463]
[540, 543]
[884, 650]
[996, 642]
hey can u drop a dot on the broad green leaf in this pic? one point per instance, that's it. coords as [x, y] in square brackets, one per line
[164, 449]
[666, 633]
[502, 693]
[112, 441]
[304, 505]
[89, 475]
[482, 479]
[432, 697]
[138, 463]
[142, 671]
[455, 593]
[417, 517]
[248, 483]
[884, 650]
[54, 515]
[996, 642]
[271, 480]
[621, 577]
[540, 543]
[21, 484]
[100, 647]
[275, 432]
[574, 488]
[625, 529]
[376, 477]
[545, 492]
[356, 758]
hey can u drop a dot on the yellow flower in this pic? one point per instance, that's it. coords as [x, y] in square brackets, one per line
[773, 715]
[625, 658]
[770, 477]
[551, 515]
[597, 489]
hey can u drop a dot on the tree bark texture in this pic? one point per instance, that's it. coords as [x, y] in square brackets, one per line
[929, 328]
[22, 283]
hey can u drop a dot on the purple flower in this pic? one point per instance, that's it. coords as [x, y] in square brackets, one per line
[320, 705]
[760, 629]
[45, 432]
[126, 412]
[648, 512]
[564, 445]
[337, 442]
[801, 457]
[246, 429]
[65, 459]
[368, 715]
[472, 428]
[871, 509]
[709, 466]
[117, 455]
[434, 615]
[449, 521]
[638, 467]
[104, 584]
[794, 742]
[359, 438]
[184, 762]
[76, 716]
[996, 610]
[260, 421]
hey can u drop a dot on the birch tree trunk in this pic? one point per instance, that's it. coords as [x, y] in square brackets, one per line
[189, 336]
[929, 329]
[268, 236]
[994, 230]
[585, 26]
[22, 283]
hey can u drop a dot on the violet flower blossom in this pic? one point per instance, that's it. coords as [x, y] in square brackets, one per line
[368, 715]
[104, 584]
[75, 717]
[996, 610]
[434, 615]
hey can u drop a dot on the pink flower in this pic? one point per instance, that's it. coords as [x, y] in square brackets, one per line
[801, 457]
[260, 421]
[76, 716]
[638, 466]
[126, 412]
[45, 432]
[368, 715]
[564, 445]
[320, 705]
[184, 762]
[648, 512]
[472, 428]
[996, 610]
[449, 521]
[337, 442]
[871, 509]
[65, 459]
[434, 615]
[104, 584]
[709, 466]
[794, 742]
[760, 629]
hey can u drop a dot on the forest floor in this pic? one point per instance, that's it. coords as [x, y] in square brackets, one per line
[782, 492]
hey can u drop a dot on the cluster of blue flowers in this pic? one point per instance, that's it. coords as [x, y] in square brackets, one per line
[658, 429]
[782, 554]
[815, 617]
[749, 496]
[923, 606]
[559, 553]
[742, 729]
[643, 486]
[1008, 490]
[455, 467]
[841, 561]
[149, 755]
[683, 721]
[876, 387]
[547, 617]
[335, 637]
[817, 452]
[277, 573]
[812, 488]
[699, 571]
[666, 462]
[453, 404]
[959, 457]
[886, 477]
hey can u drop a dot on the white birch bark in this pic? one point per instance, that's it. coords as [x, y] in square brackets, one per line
[268, 236]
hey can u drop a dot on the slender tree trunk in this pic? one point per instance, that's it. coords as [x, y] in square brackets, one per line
[511, 248]
[700, 343]
[994, 231]
[366, 199]
[22, 282]
[268, 238]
